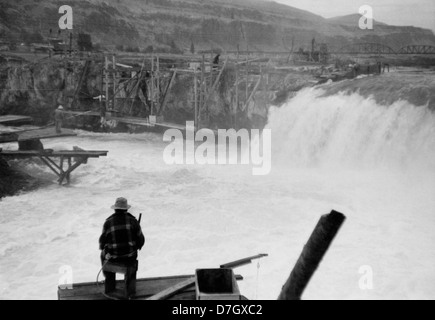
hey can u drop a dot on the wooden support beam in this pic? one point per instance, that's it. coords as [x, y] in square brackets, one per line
[49, 165]
[106, 67]
[252, 94]
[169, 292]
[195, 97]
[71, 169]
[152, 84]
[165, 97]
[158, 81]
[203, 88]
[246, 83]
[236, 108]
[213, 88]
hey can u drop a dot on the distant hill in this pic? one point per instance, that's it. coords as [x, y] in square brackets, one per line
[207, 24]
[351, 20]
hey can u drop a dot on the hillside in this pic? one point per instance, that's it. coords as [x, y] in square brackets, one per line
[176, 24]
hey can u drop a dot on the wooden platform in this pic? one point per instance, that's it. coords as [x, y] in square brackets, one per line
[12, 120]
[56, 154]
[62, 163]
[35, 134]
[145, 288]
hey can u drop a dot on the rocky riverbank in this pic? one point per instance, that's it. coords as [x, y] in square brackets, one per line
[13, 181]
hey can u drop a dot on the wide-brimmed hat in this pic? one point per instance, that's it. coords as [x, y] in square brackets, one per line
[121, 204]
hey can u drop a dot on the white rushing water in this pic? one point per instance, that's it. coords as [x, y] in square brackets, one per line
[376, 164]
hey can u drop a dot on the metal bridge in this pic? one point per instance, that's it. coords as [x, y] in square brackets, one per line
[358, 48]
[377, 48]
[417, 49]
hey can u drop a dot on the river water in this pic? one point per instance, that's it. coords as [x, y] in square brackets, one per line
[374, 163]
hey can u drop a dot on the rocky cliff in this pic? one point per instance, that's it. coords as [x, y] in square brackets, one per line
[177, 24]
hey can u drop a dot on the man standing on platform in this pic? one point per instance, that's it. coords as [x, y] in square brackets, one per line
[120, 240]
[58, 119]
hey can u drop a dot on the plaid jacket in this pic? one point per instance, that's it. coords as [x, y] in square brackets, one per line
[122, 236]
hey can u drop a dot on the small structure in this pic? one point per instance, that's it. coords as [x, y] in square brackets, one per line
[216, 284]
[62, 163]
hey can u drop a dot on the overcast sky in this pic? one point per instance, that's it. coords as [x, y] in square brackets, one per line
[419, 13]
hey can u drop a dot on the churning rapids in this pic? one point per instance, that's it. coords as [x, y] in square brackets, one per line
[374, 163]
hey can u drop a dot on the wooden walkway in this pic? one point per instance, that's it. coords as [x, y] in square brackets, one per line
[12, 119]
[144, 122]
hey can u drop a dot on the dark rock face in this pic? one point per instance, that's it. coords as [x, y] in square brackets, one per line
[37, 89]
[12, 181]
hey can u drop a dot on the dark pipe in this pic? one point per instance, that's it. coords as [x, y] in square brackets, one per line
[312, 255]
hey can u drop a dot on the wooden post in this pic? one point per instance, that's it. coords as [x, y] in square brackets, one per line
[165, 97]
[237, 92]
[106, 69]
[158, 81]
[152, 84]
[203, 88]
[114, 82]
[195, 97]
[312, 255]
[247, 74]
[70, 44]
[211, 68]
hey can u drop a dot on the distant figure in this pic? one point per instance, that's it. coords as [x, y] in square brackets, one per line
[216, 62]
[58, 119]
[387, 65]
[120, 240]
[379, 67]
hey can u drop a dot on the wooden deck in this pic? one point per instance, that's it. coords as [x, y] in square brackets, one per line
[13, 119]
[145, 288]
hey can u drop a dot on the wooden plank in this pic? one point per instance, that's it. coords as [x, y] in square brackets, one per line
[46, 133]
[171, 125]
[8, 137]
[162, 295]
[86, 154]
[13, 118]
[242, 262]
[252, 94]
[145, 288]
[165, 98]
